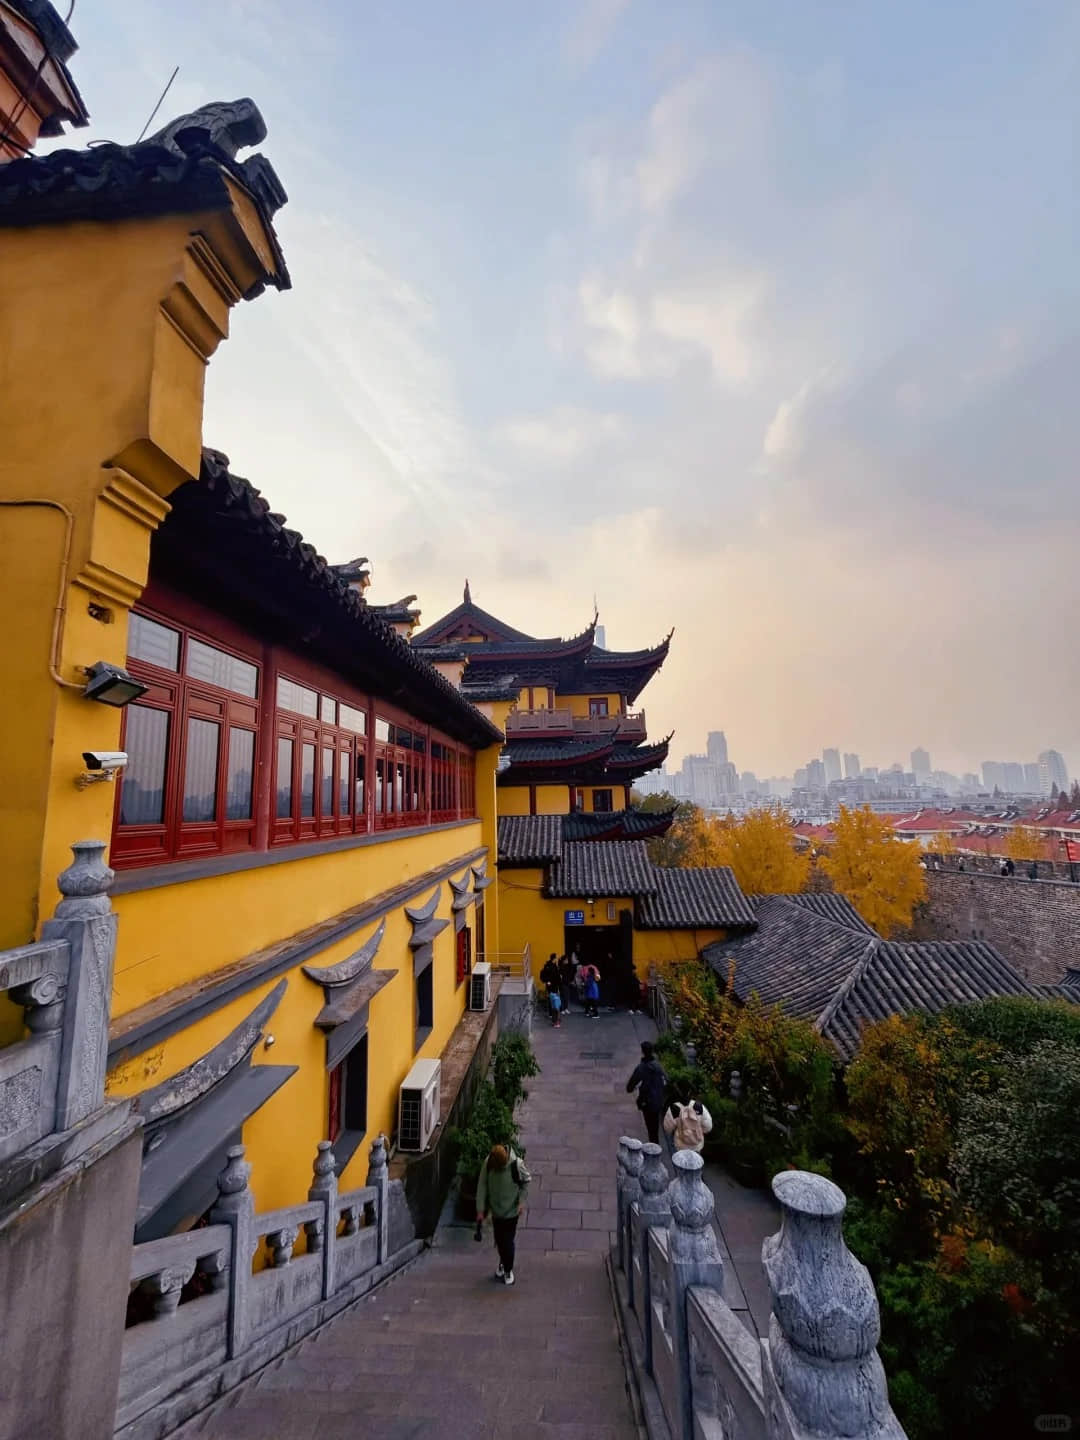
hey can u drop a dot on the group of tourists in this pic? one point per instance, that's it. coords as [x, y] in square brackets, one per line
[566, 978]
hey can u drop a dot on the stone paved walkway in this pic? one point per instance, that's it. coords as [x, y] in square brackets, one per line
[444, 1351]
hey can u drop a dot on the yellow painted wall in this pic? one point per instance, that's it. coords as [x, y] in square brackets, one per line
[579, 704]
[656, 949]
[176, 933]
[282, 1136]
[618, 796]
[102, 416]
[552, 799]
[513, 800]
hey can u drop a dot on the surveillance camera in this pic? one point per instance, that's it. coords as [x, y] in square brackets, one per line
[105, 759]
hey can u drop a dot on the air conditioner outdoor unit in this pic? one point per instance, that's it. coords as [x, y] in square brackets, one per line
[418, 1105]
[480, 986]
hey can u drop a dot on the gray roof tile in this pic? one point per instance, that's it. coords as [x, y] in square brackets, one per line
[530, 839]
[837, 908]
[602, 867]
[698, 898]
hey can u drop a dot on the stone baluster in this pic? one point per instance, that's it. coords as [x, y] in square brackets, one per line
[280, 1243]
[631, 1196]
[350, 1215]
[655, 1209]
[378, 1175]
[695, 1260]
[164, 1288]
[626, 1144]
[324, 1189]
[235, 1207]
[735, 1085]
[85, 919]
[821, 1372]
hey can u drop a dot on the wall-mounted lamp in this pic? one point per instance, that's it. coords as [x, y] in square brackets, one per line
[269, 1041]
[112, 685]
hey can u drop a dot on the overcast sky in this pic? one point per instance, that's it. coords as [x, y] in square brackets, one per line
[756, 319]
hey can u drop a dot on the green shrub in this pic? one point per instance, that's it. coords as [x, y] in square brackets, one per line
[512, 1062]
[491, 1122]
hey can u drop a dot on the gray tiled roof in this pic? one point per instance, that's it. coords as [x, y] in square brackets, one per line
[795, 957]
[530, 839]
[602, 867]
[840, 975]
[897, 978]
[698, 898]
[837, 908]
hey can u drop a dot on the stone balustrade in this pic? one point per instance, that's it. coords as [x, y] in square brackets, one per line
[700, 1373]
[265, 1281]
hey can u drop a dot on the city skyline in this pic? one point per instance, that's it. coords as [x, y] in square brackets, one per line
[833, 763]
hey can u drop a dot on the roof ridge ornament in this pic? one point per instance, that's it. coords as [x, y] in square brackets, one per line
[468, 593]
[230, 125]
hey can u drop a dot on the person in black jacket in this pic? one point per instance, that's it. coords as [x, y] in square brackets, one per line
[650, 1082]
[550, 976]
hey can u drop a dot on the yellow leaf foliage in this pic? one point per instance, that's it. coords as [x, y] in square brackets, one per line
[760, 848]
[1024, 842]
[882, 876]
[942, 844]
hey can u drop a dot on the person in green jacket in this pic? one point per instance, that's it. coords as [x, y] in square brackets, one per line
[501, 1192]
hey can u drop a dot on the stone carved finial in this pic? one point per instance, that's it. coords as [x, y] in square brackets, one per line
[85, 883]
[232, 1183]
[377, 1160]
[691, 1233]
[324, 1166]
[825, 1373]
[231, 125]
[654, 1182]
[735, 1085]
[632, 1170]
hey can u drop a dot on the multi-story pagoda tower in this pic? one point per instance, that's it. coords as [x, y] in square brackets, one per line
[574, 746]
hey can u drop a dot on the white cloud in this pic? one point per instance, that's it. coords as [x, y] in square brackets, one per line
[613, 330]
[591, 30]
[716, 319]
[566, 435]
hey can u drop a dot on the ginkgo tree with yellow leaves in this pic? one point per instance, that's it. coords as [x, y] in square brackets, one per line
[760, 848]
[880, 874]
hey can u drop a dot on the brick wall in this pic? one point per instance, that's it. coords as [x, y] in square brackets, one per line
[1034, 923]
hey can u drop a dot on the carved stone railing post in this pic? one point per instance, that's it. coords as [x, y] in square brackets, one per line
[164, 1289]
[695, 1260]
[379, 1175]
[324, 1188]
[821, 1372]
[631, 1196]
[85, 919]
[626, 1145]
[235, 1207]
[655, 1209]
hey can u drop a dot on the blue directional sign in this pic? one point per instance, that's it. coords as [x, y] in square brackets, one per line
[574, 917]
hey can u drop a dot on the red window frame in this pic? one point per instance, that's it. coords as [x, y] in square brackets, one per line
[184, 698]
[598, 706]
[464, 953]
[341, 745]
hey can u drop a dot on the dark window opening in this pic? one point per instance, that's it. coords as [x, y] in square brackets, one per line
[348, 1093]
[464, 953]
[602, 801]
[425, 1004]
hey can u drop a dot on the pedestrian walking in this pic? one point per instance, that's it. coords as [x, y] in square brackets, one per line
[566, 981]
[550, 976]
[501, 1191]
[650, 1082]
[687, 1123]
[592, 991]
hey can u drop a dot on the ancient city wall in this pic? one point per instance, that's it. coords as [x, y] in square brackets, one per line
[1034, 923]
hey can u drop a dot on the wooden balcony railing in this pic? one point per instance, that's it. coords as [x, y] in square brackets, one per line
[562, 723]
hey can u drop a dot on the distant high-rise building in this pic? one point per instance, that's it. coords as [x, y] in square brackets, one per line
[748, 783]
[993, 773]
[871, 772]
[970, 781]
[852, 769]
[815, 774]
[1033, 779]
[799, 780]
[1014, 778]
[600, 636]
[831, 761]
[920, 762]
[1052, 765]
[716, 747]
